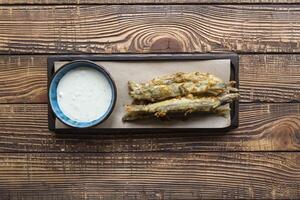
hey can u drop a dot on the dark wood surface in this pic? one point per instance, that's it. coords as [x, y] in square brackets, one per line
[81, 2]
[259, 160]
[149, 176]
[149, 28]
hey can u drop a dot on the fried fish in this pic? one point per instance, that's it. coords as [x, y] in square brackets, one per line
[179, 84]
[185, 105]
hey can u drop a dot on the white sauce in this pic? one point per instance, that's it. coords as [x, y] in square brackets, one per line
[84, 94]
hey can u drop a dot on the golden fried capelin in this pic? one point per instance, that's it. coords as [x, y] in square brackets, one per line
[179, 84]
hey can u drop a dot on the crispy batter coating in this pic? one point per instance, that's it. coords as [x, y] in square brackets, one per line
[179, 84]
[180, 93]
[183, 105]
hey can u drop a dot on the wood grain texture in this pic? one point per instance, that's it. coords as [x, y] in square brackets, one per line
[263, 78]
[149, 28]
[269, 78]
[150, 176]
[263, 127]
[23, 79]
[67, 2]
[37, 164]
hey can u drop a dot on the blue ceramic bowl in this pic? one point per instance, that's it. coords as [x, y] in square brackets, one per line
[53, 93]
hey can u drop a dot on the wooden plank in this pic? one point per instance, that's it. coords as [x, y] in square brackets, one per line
[149, 28]
[23, 79]
[263, 78]
[263, 127]
[67, 2]
[150, 176]
[269, 78]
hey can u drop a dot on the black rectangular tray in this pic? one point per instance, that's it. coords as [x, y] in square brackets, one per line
[234, 76]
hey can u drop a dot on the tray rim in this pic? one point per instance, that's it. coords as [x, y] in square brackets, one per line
[234, 75]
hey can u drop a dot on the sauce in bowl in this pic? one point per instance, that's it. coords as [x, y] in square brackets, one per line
[84, 94]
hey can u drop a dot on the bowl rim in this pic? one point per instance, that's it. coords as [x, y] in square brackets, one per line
[102, 70]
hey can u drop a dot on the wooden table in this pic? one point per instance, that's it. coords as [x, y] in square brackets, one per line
[260, 159]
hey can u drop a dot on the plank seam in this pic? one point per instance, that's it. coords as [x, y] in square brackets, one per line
[141, 152]
[150, 3]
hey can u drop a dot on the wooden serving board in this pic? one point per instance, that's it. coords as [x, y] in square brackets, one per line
[142, 68]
